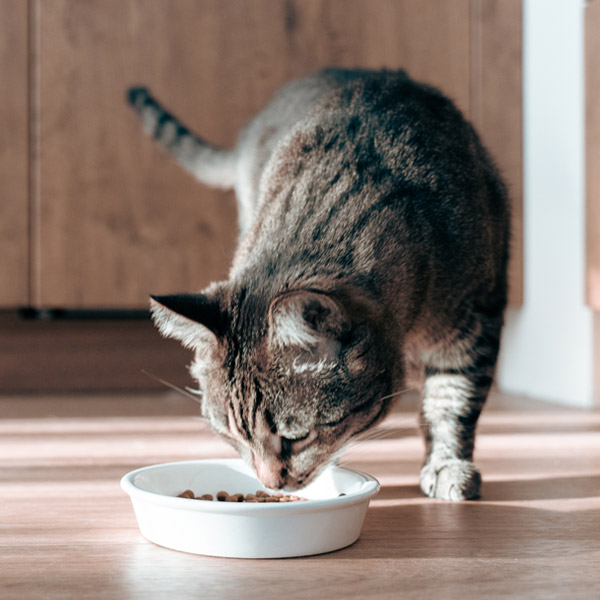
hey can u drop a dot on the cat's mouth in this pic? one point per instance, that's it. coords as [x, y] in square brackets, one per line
[303, 481]
[299, 483]
[275, 475]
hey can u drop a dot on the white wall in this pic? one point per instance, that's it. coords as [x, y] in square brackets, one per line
[547, 349]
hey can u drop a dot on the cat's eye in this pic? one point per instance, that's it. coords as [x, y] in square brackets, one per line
[297, 445]
[331, 423]
[298, 439]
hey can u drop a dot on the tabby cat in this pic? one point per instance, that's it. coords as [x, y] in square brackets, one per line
[372, 256]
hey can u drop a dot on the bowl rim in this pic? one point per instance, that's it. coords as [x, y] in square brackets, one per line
[370, 487]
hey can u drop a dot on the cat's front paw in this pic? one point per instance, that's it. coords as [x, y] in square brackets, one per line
[451, 479]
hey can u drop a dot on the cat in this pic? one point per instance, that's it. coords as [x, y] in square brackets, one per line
[373, 249]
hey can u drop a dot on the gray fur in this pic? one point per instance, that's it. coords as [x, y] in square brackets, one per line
[372, 254]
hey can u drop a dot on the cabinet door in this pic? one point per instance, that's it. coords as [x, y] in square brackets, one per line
[118, 220]
[14, 272]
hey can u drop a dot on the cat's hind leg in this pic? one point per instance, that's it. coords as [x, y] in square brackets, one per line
[457, 382]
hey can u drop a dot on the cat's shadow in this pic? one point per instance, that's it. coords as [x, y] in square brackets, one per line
[493, 527]
[549, 488]
[552, 488]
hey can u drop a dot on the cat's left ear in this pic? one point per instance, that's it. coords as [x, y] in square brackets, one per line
[310, 321]
[193, 319]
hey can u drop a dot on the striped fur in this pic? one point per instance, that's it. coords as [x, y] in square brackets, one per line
[373, 252]
[209, 164]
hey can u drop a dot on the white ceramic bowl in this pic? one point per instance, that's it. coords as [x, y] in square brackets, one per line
[246, 530]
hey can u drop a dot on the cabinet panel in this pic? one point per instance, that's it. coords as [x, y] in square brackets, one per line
[118, 220]
[14, 272]
[430, 40]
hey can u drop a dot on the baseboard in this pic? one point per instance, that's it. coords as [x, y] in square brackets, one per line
[86, 353]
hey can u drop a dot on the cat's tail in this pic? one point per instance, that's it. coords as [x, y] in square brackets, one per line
[209, 164]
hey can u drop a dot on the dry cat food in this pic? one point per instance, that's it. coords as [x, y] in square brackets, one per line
[260, 496]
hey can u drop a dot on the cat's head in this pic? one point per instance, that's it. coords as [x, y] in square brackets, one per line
[287, 380]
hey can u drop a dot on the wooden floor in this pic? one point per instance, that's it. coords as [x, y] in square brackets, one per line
[67, 530]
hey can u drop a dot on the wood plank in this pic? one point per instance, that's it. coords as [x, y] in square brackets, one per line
[533, 534]
[118, 220]
[497, 108]
[14, 273]
[592, 151]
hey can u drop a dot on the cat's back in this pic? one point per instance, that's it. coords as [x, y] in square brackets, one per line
[377, 179]
[388, 124]
[292, 104]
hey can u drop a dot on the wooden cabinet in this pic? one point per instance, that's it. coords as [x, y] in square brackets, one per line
[113, 218]
[94, 216]
[14, 108]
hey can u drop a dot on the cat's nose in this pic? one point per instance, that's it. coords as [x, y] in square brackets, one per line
[270, 472]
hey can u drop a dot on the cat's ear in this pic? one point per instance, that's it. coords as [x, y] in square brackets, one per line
[192, 319]
[311, 321]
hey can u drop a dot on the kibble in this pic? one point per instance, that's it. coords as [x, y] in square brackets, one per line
[186, 494]
[260, 496]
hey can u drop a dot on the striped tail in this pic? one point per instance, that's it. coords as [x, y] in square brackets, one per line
[209, 164]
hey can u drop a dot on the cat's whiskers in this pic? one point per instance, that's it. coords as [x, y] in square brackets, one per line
[371, 435]
[188, 393]
[354, 447]
[368, 433]
[398, 393]
[380, 434]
